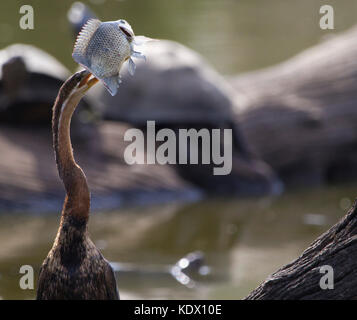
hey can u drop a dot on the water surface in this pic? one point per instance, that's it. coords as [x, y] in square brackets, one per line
[243, 241]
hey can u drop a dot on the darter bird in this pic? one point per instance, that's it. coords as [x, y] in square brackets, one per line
[74, 268]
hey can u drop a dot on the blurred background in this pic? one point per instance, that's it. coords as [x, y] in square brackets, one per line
[235, 36]
[294, 150]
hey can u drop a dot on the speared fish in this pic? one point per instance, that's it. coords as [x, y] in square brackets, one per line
[103, 47]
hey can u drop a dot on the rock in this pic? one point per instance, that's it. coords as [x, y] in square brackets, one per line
[29, 179]
[30, 80]
[179, 90]
[174, 85]
[300, 116]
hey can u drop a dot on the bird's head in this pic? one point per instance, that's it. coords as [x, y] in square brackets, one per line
[85, 80]
[78, 84]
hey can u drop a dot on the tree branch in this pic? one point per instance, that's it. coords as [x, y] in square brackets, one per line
[301, 278]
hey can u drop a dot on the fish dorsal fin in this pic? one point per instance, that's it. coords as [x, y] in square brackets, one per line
[84, 38]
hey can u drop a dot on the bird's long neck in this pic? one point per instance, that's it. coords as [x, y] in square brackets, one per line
[77, 202]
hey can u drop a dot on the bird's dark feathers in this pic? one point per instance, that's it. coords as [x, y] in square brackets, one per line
[75, 269]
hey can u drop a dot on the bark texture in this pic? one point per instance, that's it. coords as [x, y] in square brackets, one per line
[300, 280]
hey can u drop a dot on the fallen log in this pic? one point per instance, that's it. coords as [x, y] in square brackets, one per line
[300, 279]
[28, 176]
[29, 181]
[300, 116]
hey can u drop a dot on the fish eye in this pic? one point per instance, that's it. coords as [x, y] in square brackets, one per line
[126, 32]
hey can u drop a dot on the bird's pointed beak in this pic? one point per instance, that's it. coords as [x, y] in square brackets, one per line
[89, 81]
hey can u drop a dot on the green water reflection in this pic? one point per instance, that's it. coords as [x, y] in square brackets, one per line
[233, 35]
[243, 240]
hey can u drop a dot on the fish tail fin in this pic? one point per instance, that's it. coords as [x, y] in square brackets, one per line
[83, 39]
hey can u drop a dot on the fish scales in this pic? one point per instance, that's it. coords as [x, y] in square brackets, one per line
[108, 50]
[103, 47]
